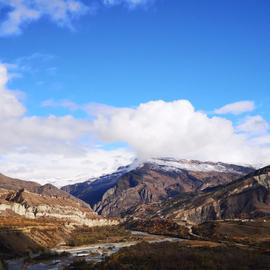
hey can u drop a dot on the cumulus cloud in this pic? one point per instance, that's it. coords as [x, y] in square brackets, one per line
[254, 124]
[49, 148]
[59, 170]
[22, 12]
[236, 108]
[10, 107]
[176, 129]
[63, 149]
[29, 133]
[261, 140]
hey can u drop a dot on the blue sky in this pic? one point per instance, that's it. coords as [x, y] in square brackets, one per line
[211, 53]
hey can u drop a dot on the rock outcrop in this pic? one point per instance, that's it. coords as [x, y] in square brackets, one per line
[33, 201]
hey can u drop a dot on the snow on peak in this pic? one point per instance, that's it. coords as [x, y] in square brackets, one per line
[171, 164]
[167, 165]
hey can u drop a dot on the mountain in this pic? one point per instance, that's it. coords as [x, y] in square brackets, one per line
[33, 201]
[92, 190]
[15, 184]
[151, 181]
[35, 218]
[245, 198]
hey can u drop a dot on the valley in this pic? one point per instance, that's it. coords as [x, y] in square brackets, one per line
[152, 181]
[134, 135]
[194, 205]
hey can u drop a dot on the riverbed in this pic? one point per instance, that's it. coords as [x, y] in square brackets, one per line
[93, 253]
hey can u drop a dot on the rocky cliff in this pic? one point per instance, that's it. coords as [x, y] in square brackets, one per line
[33, 201]
[246, 198]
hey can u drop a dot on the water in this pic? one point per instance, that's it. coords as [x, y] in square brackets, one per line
[93, 253]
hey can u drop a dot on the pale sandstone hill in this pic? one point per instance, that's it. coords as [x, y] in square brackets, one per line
[31, 200]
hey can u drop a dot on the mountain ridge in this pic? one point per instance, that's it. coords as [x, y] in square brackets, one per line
[151, 181]
[245, 198]
[33, 201]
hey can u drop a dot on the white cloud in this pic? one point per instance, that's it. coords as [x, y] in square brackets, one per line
[19, 131]
[236, 108]
[254, 124]
[67, 104]
[88, 108]
[54, 149]
[22, 12]
[59, 170]
[60, 12]
[31, 65]
[10, 107]
[58, 149]
[176, 129]
[261, 140]
[128, 3]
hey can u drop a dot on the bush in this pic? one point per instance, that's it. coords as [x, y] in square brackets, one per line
[86, 235]
[173, 256]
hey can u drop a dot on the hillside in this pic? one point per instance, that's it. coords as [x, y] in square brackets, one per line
[152, 181]
[35, 217]
[245, 198]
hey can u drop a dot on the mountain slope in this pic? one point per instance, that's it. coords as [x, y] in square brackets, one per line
[33, 201]
[15, 184]
[152, 181]
[34, 217]
[245, 198]
[92, 190]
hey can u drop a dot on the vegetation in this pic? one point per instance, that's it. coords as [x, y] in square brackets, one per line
[2, 265]
[174, 256]
[80, 265]
[255, 233]
[47, 256]
[17, 243]
[86, 235]
[160, 227]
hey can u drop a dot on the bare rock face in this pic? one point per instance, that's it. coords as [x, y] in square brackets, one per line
[153, 181]
[245, 198]
[33, 201]
[143, 186]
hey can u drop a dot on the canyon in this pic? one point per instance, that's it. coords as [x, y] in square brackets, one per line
[201, 202]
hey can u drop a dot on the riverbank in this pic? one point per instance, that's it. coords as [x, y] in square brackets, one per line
[89, 253]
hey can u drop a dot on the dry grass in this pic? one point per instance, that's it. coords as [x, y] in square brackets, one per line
[252, 233]
[113, 234]
[175, 256]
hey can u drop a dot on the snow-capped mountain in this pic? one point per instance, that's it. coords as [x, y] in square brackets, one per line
[152, 180]
[246, 198]
[171, 164]
[165, 164]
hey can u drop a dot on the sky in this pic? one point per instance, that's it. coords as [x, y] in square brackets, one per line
[90, 85]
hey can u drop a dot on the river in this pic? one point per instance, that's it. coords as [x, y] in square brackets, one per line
[94, 253]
